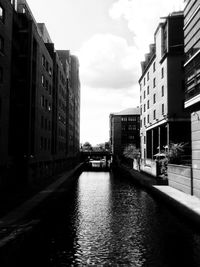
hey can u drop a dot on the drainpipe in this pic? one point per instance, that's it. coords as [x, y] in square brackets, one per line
[159, 138]
[191, 181]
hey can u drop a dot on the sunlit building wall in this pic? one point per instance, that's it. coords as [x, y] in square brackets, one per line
[192, 82]
[163, 118]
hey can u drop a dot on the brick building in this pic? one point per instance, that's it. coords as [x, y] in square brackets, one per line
[124, 130]
[35, 82]
[6, 31]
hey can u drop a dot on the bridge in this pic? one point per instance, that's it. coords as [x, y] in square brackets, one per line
[96, 157]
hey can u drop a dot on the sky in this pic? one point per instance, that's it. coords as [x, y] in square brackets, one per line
[110, 38]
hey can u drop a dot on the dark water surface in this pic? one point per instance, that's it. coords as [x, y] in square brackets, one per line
[107, 221]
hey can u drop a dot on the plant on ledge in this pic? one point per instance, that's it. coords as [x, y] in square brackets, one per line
[176, 151]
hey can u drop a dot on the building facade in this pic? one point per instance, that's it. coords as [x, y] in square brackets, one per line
[6, 31]
[124, 130]
[34, 99]
[192, 82]
[163, 118]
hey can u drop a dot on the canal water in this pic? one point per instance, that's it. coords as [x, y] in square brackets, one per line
[106, 220]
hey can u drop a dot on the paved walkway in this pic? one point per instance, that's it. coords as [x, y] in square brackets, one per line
[189, 202]
[17, 221]
[186, 204]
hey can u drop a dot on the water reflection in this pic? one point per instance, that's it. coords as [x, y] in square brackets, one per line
[92, 217]
[111, 222]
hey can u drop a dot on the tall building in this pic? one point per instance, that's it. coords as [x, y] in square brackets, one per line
[75, 84]
[192, 82]
[39, 99]
[6, 30]
[163, 119]
[73, 104]
[31, 98]
[124, 130]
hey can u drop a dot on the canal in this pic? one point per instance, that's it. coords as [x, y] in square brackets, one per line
[106, 220]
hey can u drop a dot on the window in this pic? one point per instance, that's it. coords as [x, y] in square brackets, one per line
[47, 85]
[43, 83]
[144, 94]
[154, 82]
[144, 107]
[45, 124]
[124, 119]
[1, 74]
[147, 90]
[47, 66]
[163, 90]
[147, 76]
[154, 98]
[144, 139]
[131, 127]
[49, 144]
[140, 99]
[132, 118]
[41, 143]
[148, 104]
[154, 66]
[45, 144]
[43, 60]
[144, 121]
[163, 109]
[42, 122]
[46, 104]
[42, 101]
[154, 114]
[141, 110]
[162, 73]
[144, 81]
[2, 14]
[49, 107]
[148, 118]
[1, 44]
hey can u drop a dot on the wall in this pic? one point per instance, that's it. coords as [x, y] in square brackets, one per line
[179, 177]
[195, 123]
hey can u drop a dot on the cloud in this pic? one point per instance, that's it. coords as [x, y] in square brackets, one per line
[96, 105]
[107, 61]
[143, 18]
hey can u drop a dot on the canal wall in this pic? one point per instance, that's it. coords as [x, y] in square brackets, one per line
[20, 225]
[184, 204]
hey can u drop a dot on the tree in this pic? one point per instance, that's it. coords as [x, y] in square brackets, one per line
[131, 152]
[87, 146]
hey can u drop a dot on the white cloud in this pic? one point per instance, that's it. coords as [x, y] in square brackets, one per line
[143, 17]
[96, 105]
[106, 61]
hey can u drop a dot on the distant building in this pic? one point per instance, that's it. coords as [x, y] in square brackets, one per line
[163, 118]
[124, 130]
[73, 103]
[192, 82]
